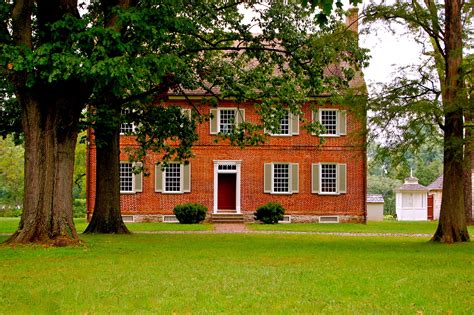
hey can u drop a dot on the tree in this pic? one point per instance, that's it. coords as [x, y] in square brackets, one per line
[54, 61]
[409, 106]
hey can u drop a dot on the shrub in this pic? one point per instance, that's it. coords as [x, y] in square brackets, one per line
[189, 213]
[79, 208]
[270, 213]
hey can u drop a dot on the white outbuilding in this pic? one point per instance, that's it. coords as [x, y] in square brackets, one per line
[434, 198]
[411, 201]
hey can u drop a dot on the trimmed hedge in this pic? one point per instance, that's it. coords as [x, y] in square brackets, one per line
[190, 213]
[270, 213]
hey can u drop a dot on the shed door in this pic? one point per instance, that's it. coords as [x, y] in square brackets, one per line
[226, 191]
[430, 207]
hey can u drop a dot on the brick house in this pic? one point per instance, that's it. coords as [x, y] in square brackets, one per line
[313, 182]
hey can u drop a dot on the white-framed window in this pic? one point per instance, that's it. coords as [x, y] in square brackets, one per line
[172, 178]
[334, 121]
[126, 177]
[224, 120]
[281, 178]
[126, 128]
[328, 178]
[328, 118]
[288, 125]
[175, 178]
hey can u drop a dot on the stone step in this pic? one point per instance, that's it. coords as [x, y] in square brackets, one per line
[226, 211]
[227, 218]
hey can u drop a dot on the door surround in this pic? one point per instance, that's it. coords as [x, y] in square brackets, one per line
[229, 167]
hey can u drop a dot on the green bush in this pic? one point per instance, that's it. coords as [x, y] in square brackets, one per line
[190, 213]
[10, 212]
[270, 213]
[79, 208]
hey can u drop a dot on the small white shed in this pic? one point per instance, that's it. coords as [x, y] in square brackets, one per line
[375, 207]
[411, 201]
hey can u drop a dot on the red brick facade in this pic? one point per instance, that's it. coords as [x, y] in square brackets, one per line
[302, 149]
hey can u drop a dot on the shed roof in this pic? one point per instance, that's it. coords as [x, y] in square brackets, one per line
[437, 184]
[375, 198]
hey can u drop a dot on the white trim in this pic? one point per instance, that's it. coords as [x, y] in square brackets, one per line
[128, 192]
[336, 217]
[329, 135]
[128, 215]
[181, 169]
[289, 134]
[171, 216]
[237, 171]
[290, 188]
[288, 217]
[336, 193]
[235, 109]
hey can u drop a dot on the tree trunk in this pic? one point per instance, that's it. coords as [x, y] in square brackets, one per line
[106, 217]
[468, 153]
[452, 222]
[50, 130]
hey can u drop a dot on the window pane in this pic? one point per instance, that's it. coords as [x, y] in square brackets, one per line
[173, 177]
[329, 121]
[226, 122]
[126, 127]
[328, 178]
[285, 125]
[280, 178]
[126, 177]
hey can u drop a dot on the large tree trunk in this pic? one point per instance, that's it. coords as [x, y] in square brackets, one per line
[106, 217]
[452, 222]
[50, 130]
[468, 153]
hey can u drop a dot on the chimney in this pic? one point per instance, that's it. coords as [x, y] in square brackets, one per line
[352, 20]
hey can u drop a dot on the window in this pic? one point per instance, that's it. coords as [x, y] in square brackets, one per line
[226, 120]
[328, 178]
[173, 177]
[126, 177]
[407, 200]
[329, 121]
[281, 178]
[333, 121]
[126, 128]
[284, 126]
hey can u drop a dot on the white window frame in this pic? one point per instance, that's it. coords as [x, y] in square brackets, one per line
[289, 134]
[181, 170]
[124, 112]
[290, 179]
[236, 112]
[320, 115]
[133, 180]
[321, 192]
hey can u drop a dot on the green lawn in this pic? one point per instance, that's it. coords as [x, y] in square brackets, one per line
[239, 274]
[9, 225]
[426, 227]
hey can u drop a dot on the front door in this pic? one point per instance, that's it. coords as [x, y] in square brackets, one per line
[226, 191]
[430, 207]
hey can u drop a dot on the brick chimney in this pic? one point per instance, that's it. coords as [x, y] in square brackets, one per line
[352, 20]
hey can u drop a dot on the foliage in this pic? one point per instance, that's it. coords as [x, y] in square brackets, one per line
[385, 186]
[79, 188]
[233, 273]
[79, 208]
[270, 213]
[190, 213]
[11, 173]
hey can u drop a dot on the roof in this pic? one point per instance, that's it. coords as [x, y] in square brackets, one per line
[375, 198]
[412, 187]
[437, 184]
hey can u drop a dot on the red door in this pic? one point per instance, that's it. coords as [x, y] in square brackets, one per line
[226, 191]
[430, 207]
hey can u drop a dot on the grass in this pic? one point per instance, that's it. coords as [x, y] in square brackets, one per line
[239, 274]
[10, 225]
[422, 227]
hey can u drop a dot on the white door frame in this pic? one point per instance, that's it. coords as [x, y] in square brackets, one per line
[235, 167]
